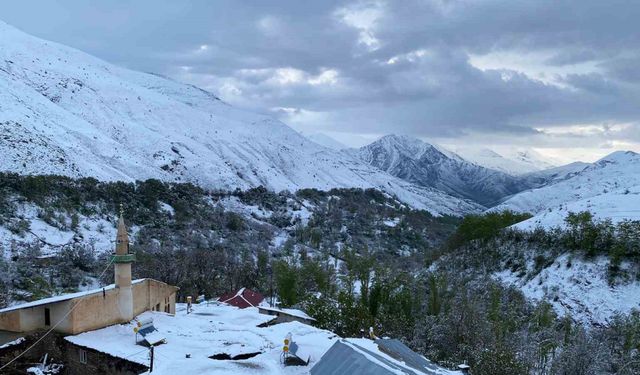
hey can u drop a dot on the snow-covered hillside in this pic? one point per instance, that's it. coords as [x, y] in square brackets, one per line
[578, 288]
[520, 163]
[326, 141]
[609, 188]
[427, 165]
[556, 174]
[65, 112]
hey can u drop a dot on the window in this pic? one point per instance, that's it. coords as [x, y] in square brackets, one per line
[158, 307]
[47, 316]
[83, 356]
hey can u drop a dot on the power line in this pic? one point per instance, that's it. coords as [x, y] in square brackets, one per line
[55, 326]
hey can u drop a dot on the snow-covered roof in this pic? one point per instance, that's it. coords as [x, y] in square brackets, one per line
[242, 298]
[62, 297]
[215, 328]
[211, 329]
[17, 341]
[292, 312]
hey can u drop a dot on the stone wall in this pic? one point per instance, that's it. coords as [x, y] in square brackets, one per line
[52, 345]
[97, 362]
[62, 351]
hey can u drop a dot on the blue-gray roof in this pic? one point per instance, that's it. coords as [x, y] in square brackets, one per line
[399, 351]
[350, 358]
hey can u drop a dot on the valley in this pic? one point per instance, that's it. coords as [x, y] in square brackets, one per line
[512, 264]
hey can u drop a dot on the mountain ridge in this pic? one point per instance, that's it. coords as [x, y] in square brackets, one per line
[427, 165]
[66, 112]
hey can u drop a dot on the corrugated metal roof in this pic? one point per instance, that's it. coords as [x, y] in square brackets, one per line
[384, 357]
[242, 298]
[344, 359]
[399, 351]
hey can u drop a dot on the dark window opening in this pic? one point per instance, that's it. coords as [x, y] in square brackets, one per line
[158, 307]
[47, 317]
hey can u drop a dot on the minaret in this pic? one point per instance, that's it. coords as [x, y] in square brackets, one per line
[122, 260]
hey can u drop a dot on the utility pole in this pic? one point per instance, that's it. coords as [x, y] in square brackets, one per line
[151, 359]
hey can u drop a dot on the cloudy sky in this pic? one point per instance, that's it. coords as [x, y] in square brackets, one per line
[562, 77]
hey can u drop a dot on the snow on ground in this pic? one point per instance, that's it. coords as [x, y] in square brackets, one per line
[236, 205]
[392, 222]
[96, 232]
[212, 329]
[617, 206]
[304, 213]
[580, 291]
[167, 208]
[609, 188]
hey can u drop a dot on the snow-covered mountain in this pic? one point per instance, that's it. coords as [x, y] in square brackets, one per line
[523, 161]
[555, 174]
[530, 157]
[424, 164]
[609, 188]
[65, 112]
[326, 141]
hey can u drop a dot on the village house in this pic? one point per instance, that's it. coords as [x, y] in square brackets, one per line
[242, 298]
[286, 315]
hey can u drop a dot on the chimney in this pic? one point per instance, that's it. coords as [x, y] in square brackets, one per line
[122, 260]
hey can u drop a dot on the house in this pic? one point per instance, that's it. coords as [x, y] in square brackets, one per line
[242, 298]
[379, 357]
[286, 315]
[98, 308]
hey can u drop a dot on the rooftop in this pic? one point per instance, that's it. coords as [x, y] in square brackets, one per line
[62, 297]
[292, 312]
[219, 329]
[212, 329]
[363, 356]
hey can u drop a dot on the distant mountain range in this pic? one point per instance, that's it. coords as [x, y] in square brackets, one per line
[65, 112]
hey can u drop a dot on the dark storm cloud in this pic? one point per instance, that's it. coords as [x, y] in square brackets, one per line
[375, 66]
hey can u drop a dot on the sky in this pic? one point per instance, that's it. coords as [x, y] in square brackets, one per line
[561, 77]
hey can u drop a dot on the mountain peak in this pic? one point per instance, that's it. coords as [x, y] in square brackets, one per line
[403, 144]
[619, 157]
[424, 164]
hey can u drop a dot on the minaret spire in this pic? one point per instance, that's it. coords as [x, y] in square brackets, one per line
[122, 237]
[122, 260]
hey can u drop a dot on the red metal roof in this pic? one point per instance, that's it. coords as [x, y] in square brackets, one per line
[242, 298]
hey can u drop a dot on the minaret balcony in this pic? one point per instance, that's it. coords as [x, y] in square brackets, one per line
[124, 258]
